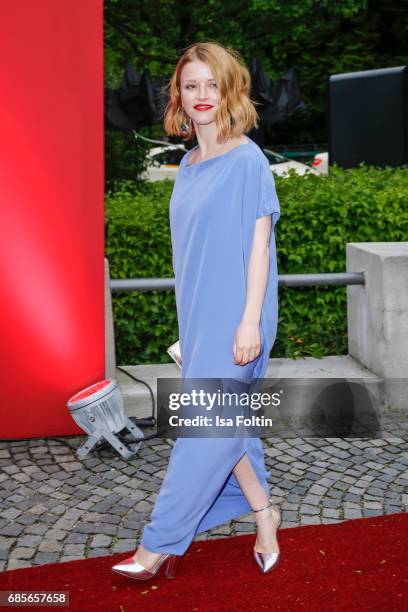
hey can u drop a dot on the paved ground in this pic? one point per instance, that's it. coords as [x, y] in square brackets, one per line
[55, 507]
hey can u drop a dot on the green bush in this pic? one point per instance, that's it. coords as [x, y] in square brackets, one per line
[319, 215]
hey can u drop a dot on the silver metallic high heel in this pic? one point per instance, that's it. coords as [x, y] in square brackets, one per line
[130, 568]
[269, 560]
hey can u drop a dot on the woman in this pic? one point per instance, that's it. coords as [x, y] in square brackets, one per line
[223, 210]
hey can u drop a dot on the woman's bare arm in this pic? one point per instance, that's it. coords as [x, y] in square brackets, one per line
[246, 345]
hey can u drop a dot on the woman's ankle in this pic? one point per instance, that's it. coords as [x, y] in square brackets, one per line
[264, 518]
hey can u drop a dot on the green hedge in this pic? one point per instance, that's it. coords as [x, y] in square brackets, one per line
[319, 215]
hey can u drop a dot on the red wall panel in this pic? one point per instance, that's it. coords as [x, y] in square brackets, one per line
[51, 224]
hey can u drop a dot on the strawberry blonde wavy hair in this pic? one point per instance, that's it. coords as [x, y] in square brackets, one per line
[236, 113]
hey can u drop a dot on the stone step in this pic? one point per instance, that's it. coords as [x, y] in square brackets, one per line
[310, 374]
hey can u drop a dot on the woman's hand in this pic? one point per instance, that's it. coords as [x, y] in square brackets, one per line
[247, 343]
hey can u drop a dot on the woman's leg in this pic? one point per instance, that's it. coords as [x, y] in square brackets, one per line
[204, 487]
[248, 481]
[197, 493]
[257, 499]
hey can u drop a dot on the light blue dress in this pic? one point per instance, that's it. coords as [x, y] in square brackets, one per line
[213, 210]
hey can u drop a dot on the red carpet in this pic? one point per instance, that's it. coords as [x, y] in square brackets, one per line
[357, 565]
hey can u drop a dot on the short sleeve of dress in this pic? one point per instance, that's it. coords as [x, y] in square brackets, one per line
[268, 203]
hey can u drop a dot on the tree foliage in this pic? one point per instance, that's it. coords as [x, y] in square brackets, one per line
[317, 37]
[320, 215]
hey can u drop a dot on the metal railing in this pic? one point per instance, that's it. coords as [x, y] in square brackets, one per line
[285, 280]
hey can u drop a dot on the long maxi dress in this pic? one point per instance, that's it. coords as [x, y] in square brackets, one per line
[213, 210]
